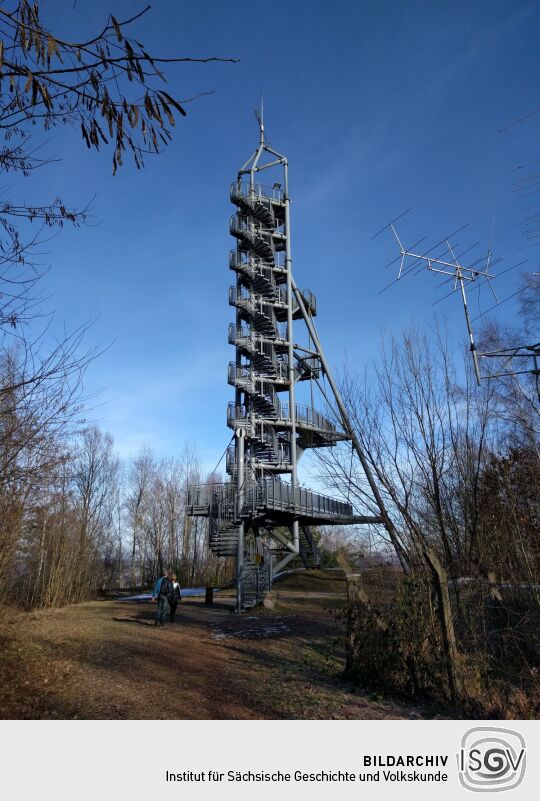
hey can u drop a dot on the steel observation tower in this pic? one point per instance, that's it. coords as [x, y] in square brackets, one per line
[261, 516]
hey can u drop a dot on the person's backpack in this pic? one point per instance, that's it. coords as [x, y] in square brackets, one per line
[166, 589]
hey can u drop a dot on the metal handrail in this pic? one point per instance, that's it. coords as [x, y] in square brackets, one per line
[281, 292]
[240, 412]
[279, 495]
[272, 493]
[309, 297]
[240, 257]
[241, 222]
[234, 372]
[235, 413]
[250, 373]
[304, 414]
[307, 414]
[237, 332]
[252, 265]
[241, 294]
[244, 189]
[279, 296]
[265, 383]
[210, 494]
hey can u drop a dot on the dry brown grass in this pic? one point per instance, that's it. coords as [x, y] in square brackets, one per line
[105, 659]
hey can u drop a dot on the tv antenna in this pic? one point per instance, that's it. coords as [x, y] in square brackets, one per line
[462, 276]
[456, 272]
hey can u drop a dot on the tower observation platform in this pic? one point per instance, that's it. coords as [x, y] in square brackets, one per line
[261, 516]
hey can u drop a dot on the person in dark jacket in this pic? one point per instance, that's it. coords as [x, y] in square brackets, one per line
[176, 596]
[163, 593]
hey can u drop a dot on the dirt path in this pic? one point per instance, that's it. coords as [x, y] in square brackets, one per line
[105, 659]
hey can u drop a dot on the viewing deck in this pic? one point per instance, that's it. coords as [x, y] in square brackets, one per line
[271, 495]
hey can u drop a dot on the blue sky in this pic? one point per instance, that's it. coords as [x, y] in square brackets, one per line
[379, 106]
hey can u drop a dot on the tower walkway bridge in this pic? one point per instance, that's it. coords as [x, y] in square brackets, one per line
[270, 497]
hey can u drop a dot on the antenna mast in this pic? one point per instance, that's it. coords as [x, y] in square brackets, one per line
[461, 276]
[456, 272]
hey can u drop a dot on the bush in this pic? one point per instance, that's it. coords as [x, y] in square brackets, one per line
[396, 648]
[394, 644]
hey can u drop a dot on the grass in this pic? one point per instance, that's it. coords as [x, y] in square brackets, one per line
[105, 659]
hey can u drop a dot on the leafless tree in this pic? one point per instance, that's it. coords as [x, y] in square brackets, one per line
[465, 506]
[137, 503]
[55, 495]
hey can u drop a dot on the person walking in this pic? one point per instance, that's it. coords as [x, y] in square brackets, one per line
[176, 596]
[163, 593]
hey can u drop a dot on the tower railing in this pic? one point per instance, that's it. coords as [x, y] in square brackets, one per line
[278, 297]
[248, 374]
[270, 493]
[243, 258]
[304, 414]
[241, 222]
[244, 189]
[308, 415]
[237, 333]
[244, 295]
[251, 266]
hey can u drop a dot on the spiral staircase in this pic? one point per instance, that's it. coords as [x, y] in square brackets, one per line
[258, 517]
[261, 370]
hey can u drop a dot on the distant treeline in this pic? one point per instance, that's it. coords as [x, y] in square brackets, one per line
[76, 521]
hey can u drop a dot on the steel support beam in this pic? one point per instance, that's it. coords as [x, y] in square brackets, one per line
[349, 428]
[292, 394]
[240, 436]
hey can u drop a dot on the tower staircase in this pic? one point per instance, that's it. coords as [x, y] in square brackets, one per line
[249, 513]
[309, 552]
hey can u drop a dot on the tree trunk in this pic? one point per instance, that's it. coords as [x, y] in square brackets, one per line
[440, 579]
